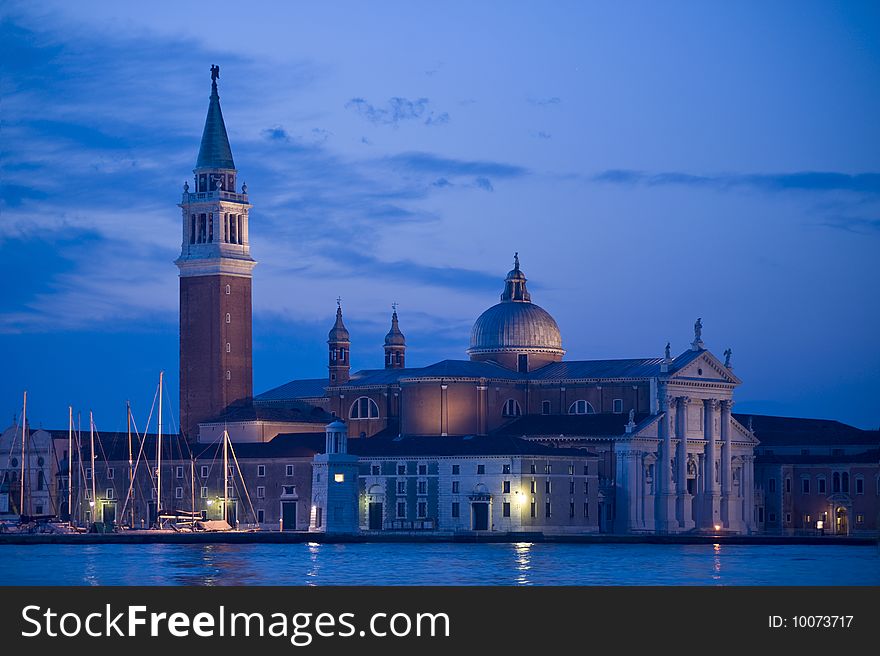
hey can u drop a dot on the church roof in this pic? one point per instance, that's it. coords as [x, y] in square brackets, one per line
[794, 431]
[307, 388]
[569, 425]
[215, 152]
[302, 413]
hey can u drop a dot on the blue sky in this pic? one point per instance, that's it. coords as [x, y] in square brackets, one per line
[651, 162]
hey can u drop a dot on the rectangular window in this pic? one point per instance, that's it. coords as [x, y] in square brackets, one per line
[586, 509]
[110, 473]
[860, 486]
[288, 490]
[88, 473]
[401, 487]
[401, 469]
[547, 486]
[261, 470]
[533, 468]
[203, 493]
[423, 487]
[860, 519]
[547, 509]
[261, 516]
[456, 470]
[288, 471]
[178, 493]
[261, 492]
[571, 487]
[586, 470]
[423, 470]
[617, 405]
[339, 478]
[807, 519]
[533, 510]
[108, 493]
[534, 486]
[788, 518]
[204, 471]
[545, 407]
[481, 469]
[422, 509]
[505, 469]
[505, 487]
[821, 483]
[455, 487]
[571, 509]
[587, 487]
[505, 509]
[401, 509]
[771, 485]
[375, 470]
[178, 472]
[548, 469]
[455, 509]
[771, 518]
[805, 485]
[571, 470]
[787, 485]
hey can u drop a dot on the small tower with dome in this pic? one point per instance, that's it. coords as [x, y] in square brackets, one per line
[395, 344]
[338, 346]
[516, 333]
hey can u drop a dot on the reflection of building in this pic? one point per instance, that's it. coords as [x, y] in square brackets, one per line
[809, 471]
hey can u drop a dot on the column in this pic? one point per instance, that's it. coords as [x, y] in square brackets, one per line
[711, 516]
[727, 513]
[748, 486]
[482, 402]
[444, 427]
[683, 499]
[666, 519]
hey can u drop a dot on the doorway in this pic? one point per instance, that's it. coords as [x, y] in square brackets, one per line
[288, 515]
[109, 514]
[375, 516]
[480, 516]
[841, 523]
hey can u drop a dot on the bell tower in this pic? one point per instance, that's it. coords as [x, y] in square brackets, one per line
[215, 263]
[395, 344]
[338, 347]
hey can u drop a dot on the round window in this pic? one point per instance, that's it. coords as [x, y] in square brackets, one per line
[699, 372]
[14, 462]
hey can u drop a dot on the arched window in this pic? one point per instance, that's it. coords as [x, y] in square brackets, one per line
[364, 408]
[581, 407]
[228, 290]
[228, 375]
[835, 482]
[228, 347]
[228, 318]
[511, 408]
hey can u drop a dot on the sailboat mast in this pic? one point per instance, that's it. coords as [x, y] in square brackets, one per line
[23, 442]
[70, 465]
[94, 501]
[225, 476]
[159, 456]
[130, 465]
[192, 488]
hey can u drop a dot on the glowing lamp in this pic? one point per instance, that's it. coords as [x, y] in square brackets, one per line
[717, 527]
[92, 504]
[820, 524]
[339, 478]
[210, 502]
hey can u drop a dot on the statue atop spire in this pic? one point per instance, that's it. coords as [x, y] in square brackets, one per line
[516, 261]
[697, 344]
[515, 284]
[215, 73]
[215, 152]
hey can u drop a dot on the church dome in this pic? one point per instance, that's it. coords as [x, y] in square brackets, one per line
[516, 324]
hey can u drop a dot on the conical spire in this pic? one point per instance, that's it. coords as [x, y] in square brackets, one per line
[339, 333]
[515, 285]
[394, 336]
[214, 152]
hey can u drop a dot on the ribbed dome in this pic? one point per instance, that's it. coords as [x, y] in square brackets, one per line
[515, 324]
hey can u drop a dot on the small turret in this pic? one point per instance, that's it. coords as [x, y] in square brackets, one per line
[395, 344]
[338, 342]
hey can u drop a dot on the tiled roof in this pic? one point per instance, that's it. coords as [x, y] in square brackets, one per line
[301, 413]
[818, 459]
[570, 425]
[794, 431]
[308, 388]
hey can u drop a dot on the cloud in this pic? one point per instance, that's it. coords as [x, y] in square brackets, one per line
[483, 183]
[544, 102]
[277, 133]
[807, 181]
[853, 224]
[398, 110]
[441, 182]
[421, 162]
[540, 134]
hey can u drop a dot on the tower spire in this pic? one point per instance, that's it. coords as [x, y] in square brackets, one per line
[214, 151]
[395, 344]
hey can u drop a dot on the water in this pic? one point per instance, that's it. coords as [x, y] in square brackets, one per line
[439, 564]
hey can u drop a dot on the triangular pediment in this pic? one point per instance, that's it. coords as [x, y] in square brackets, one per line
[711, 367]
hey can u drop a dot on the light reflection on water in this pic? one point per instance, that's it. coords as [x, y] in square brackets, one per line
[439, 564]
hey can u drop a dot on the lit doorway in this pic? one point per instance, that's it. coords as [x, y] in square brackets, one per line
[841, 523]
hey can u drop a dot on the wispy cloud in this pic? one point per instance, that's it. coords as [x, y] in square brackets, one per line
[853, 224]
[544, 102]
[398, 110]
[434, 164]
[807, 181]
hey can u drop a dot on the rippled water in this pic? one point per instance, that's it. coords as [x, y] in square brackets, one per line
[439, 564]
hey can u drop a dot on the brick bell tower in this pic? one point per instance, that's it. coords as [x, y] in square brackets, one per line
[216, 368]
